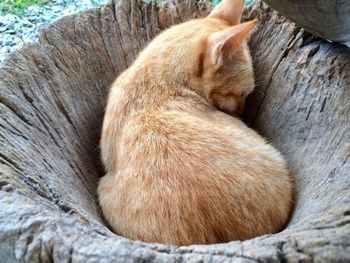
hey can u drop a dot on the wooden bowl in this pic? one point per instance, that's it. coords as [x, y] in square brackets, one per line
[52, 99]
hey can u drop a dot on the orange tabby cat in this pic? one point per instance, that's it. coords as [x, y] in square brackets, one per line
[179, 169]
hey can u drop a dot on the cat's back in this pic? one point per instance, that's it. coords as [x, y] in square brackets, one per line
[177, 163]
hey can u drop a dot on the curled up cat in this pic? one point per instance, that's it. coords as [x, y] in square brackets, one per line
[180, 168]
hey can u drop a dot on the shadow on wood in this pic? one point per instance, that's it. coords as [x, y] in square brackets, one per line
[52, 97]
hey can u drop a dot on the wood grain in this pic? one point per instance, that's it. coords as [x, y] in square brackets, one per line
[52, 98]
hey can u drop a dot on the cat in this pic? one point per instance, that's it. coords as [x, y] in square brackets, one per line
[181, 168]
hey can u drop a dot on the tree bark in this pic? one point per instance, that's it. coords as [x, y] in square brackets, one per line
[52, 98]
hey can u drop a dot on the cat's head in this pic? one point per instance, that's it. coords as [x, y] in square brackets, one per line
[210, 55]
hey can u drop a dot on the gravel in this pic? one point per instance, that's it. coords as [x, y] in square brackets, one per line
[16, 30]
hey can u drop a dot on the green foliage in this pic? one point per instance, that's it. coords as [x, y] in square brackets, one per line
[17, 6]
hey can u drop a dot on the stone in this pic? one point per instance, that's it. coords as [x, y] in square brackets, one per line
[33, 9]
[56, 9]
[3, 29]
[4, 49]
[11, 25]
[36, 16]
[9, 18]
[32, 18]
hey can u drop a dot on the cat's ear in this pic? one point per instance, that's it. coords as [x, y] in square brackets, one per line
[226, 41]
[228, 10]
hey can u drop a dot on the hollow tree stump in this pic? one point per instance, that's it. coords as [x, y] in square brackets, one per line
[52, 97]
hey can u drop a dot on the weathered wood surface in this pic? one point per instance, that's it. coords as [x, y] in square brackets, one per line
[52, 96]
[324, 18]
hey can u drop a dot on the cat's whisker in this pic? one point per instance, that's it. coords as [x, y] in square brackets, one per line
[258, 91]
[257, 84]
[261, 83]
